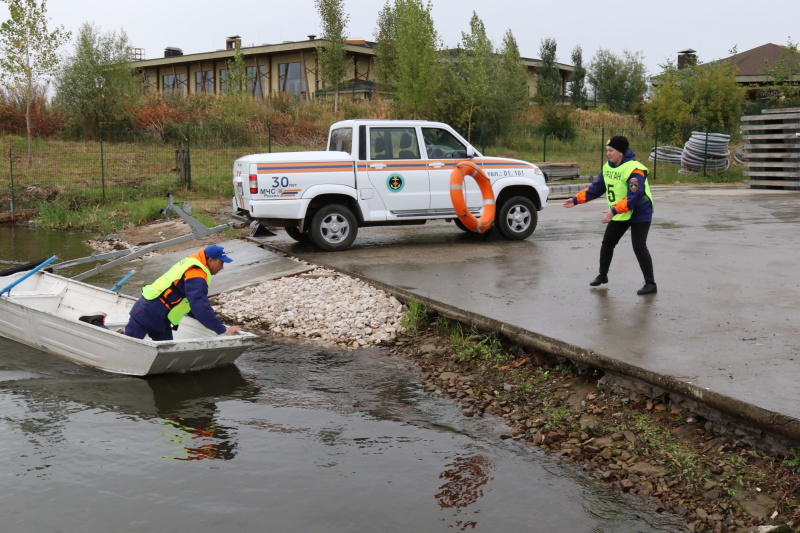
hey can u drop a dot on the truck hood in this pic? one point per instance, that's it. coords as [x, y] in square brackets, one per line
[300, 157]
[496, 160]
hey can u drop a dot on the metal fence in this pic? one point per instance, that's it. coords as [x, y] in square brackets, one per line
[134, 166]
[585, 148]
[122, 167]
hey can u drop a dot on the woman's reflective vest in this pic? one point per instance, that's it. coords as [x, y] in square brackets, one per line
[616, 180]
[169, 281]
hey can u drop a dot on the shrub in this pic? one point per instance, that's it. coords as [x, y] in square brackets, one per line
[559, 122]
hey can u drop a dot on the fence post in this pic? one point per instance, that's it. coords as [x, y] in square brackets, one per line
[11, 169]
[602, 145]
[188, 157]
[181, 168]
[102, 168]
[544, 147]
[705, 155]
[655, 156]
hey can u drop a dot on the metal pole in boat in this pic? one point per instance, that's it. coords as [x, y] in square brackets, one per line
[26, 276]
[118, 285]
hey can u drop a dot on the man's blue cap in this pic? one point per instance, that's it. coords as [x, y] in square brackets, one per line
[216, 252]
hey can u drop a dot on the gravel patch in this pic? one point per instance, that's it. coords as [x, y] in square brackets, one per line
[321, 304]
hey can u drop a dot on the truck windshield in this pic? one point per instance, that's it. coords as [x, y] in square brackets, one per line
[341, 140]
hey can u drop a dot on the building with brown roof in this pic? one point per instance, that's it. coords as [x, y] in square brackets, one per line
[272, 69]
[753, 64]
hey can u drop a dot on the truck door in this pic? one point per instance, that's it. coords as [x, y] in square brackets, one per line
[444, 150]
[397, 171]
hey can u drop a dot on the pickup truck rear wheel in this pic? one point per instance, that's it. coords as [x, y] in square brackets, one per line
[296, 234]
[516, 218]
[333, 228]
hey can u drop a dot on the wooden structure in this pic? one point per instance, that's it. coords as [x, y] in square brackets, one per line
[560, 171]
[773, 146]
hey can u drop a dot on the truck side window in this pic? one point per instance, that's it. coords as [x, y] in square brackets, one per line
[441, 144]
[393, 143]
[341, 141]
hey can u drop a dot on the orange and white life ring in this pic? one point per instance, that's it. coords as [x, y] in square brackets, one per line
[459, 197]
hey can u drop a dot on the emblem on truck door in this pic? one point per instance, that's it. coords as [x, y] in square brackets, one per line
[395, 182]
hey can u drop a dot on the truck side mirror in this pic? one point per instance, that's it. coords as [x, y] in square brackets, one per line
[470, 152]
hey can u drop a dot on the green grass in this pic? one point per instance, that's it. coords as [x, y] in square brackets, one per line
[416, 318]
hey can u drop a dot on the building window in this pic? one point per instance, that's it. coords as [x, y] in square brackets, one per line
[256, 80]
[223, 81]
[173, 83]
[204, 81]
[292, 80]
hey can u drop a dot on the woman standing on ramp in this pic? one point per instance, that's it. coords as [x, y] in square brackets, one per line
[630, 205]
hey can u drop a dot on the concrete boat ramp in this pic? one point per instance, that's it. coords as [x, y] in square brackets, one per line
[721, 332]
[251, 265]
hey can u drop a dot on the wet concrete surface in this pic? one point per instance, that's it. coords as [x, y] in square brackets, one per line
[721, 330]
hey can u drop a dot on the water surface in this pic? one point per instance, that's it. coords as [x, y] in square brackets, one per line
[291, 438]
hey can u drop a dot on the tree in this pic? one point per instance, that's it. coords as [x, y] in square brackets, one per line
[418, 68]
[577, 82]
[385, 46]
[783, 75]
[698, 96]
[29, 51]
[718, 99]
[237, 74]
[511, 94]
[548, 86]
[97, 87]
[477, 64]
[668, 108]
[331, 58]
[619, 82]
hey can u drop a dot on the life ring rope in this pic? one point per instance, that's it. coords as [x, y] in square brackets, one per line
[459, 198]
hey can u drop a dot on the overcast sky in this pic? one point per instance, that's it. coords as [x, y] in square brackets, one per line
[658, 29]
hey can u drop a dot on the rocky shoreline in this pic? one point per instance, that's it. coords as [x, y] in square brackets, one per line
[673, 460]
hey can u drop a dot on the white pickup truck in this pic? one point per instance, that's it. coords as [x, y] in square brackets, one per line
[380, 173]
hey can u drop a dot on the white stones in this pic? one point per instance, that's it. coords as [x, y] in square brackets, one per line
[321, 304]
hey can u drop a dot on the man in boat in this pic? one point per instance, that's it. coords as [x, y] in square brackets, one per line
[181, 291]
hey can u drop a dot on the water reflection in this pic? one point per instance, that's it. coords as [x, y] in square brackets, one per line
[185, 404]
[466, 477]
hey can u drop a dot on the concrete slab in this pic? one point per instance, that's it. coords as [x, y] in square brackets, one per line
[251, 265]
[722, 329]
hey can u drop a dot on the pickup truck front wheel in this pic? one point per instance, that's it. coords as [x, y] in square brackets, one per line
[517, 218]
[333, 228]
